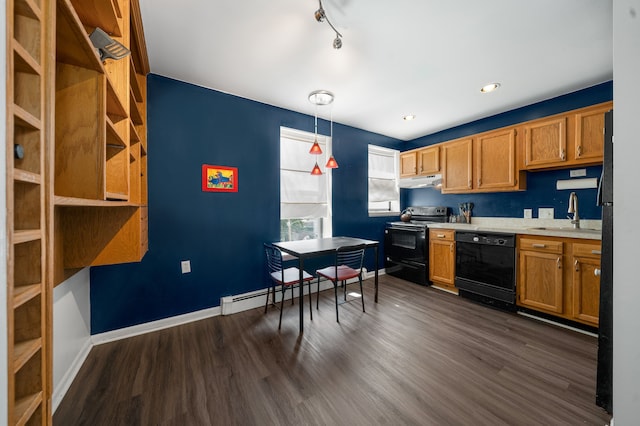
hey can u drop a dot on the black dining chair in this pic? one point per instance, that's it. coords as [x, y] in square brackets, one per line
[348, 264]
[284, 277]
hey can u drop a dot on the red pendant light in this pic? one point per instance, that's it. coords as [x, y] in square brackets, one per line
[316, 170]
[332, 163]
[315, 148]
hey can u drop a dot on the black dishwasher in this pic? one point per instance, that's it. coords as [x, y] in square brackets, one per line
[485, 267]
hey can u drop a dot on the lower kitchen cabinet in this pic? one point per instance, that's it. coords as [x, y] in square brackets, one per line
[586, 284]
[442, 258]
[557, 276]
[541, 277]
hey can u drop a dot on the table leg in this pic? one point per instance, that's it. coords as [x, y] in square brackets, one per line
[301, 287]
[375, 280]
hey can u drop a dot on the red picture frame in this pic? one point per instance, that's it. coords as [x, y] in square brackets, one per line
[219, 178]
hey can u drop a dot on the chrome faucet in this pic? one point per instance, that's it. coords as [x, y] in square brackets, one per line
[573, 208]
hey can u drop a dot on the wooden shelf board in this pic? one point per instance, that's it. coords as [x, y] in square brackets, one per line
[133, 133]
[143, 148]
[114, 105]
[25, 407]
[98, 14]
[23, 293]
[24, 62]
[72, 42]
[28, 8]
[25, 119]
[23, 351]
[136, 115]
[26, 235]
[133, 81]
[83, 202]
[116, 196]
[113, 137]
[27, 177]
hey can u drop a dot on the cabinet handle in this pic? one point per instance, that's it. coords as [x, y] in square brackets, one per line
[470, 183]
[579, 151]
[538, 245]
[563, 155]
[596, 272]
[440, 235]
[451, 248]
[420, 169]
[596, 252]
[576, 265]
[479, 182]
[559, 264]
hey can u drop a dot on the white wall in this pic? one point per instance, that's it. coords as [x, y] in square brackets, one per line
[71, 331]
[3, 220]
[626, 196]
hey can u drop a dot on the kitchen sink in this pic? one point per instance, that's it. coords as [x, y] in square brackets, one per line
[563, 228]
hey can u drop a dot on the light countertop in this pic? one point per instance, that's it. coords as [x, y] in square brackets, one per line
[589, 229]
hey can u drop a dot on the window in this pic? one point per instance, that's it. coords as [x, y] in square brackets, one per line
[305, 200]
[384, 195]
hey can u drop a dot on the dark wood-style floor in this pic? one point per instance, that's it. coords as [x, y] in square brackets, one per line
[419, 357]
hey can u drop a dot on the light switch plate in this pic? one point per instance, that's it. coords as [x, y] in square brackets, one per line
[186, 266]
[545, 213]
[528, 213]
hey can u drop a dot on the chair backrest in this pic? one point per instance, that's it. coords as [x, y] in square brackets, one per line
[351, 256]
[274, 258]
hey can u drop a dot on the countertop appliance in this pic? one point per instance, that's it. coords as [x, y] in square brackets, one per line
[604, 383]
[406, 244]
[486, 267]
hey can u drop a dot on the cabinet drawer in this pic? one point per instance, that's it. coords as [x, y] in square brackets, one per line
[546, 246]
[586, 250]
[442, 234]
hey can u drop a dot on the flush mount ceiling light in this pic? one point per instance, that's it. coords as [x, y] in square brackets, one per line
[409, 117]
[321, 16]
[490, 87]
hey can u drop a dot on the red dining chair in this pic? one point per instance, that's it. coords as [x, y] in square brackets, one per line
[286, 278]
[348, 264]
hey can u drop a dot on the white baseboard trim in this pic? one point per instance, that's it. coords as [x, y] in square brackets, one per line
[557, 324]
[148, 327]
[61, 389]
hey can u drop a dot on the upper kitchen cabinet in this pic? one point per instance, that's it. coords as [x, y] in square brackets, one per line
[457, 166]
[570, 139]
[420, 162]
[486, 162]
[545, 143]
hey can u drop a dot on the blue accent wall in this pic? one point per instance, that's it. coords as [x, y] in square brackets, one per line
[222, 233]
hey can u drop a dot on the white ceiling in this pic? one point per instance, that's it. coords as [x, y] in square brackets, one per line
[424, 57]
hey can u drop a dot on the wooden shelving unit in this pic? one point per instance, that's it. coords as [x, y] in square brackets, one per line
[28, 309]
[76, 170]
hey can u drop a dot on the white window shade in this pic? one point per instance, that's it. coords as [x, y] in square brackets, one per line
[384, 195]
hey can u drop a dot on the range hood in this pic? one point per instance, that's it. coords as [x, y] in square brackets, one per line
[431, 181]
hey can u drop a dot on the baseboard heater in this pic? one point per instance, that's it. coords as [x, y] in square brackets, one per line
[254, 299]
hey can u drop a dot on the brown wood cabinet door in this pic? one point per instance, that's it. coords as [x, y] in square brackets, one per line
[495, 160]
[545, 143]
[457, 166]
[590, 135]
[408, 164]
[429, 161]
[442, 255]
[586, 289]
[541, 281]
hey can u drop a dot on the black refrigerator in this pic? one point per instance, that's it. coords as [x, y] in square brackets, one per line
[604, 384]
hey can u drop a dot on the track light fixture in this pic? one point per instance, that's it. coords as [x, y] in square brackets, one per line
[321, 16]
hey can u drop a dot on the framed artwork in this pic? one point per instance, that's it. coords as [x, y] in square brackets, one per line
[219, 178]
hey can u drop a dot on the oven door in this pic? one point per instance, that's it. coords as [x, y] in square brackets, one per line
[406, 244]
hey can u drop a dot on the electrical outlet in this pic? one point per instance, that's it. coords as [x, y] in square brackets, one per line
[528, 213]
[186, 266]
[545, 213]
